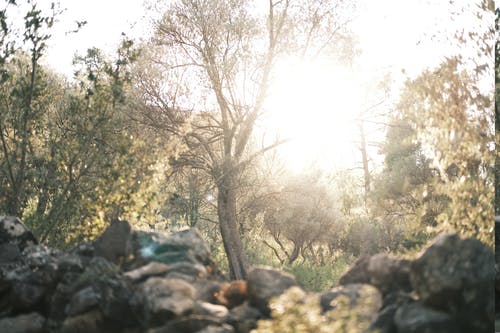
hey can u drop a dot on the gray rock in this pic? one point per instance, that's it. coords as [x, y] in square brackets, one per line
[26, 323]
[265, 283]
[357, 273]
[87, 322]
[244, 318]
[388, 273]
[28, 287]
[9, 252]
[187, 324]
[384, 322]
[115, 243]
[12, 230]
[456, 276]
[116, 305]
[161, 299]
[416, 318]
[383, 271]
[83, 301]
[70, 263]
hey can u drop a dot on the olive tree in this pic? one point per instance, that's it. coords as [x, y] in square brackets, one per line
[211, 64]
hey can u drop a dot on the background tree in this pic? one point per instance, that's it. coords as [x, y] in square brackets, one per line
[455, 120]
[302, 217]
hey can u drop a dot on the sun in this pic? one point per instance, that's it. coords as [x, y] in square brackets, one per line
[314, 104]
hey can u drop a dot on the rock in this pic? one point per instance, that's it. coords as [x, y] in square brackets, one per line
[12, 230]
[416, 318]
[88, 322]
[189, 324]
[456, 276]
[358, 273]
[384, 322]
[383, 271]
[265, 283]
[70, 263]
[207, 289]
[183, 246]
[9, 252]
[116, 305]
[83, 301]
[364, 299]
[161, 299]
[209, 309]
[115, 243]
[244, 318]
[28, 287]
[25, 323]
[151, 269]
[217, 329]
[388, 273]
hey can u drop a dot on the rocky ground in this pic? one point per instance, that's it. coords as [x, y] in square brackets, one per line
[133, 281]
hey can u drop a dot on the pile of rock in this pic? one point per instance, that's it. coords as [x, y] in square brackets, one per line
[133, 281]
[126, 281]
[448, 288]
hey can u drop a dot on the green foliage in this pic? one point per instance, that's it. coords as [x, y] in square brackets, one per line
[319, 277]
[298, 312]
[497, 112]
[453, 118]
[71, 159]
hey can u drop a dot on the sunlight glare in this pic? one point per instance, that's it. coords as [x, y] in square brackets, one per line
[315, 105]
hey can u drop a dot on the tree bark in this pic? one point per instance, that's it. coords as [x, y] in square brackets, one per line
[233, 246]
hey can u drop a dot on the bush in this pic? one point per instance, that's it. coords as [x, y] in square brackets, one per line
[316, 277]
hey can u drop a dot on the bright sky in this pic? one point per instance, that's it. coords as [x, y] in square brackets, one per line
[313, 104]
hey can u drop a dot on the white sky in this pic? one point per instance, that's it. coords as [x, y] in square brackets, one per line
[393, 35]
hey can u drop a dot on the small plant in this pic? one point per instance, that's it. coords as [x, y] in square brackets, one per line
[298, 312]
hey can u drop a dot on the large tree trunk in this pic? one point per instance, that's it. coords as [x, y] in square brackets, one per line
[233, 246]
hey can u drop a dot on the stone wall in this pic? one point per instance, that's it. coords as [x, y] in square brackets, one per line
[132, 281]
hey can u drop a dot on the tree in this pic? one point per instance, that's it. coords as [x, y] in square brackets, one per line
[455, 122]
[21, 108]
[69, 158]
[219, 56]
[303, 213]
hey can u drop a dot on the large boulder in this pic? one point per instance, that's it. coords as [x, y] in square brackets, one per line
[265, 283]
[160, 299]
[383, 271]
[456, 276]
